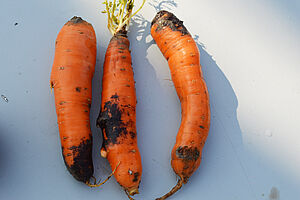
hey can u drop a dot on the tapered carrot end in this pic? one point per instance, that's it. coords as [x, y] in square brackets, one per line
[174, 189]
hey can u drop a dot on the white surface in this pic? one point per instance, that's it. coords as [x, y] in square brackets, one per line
[250, 57]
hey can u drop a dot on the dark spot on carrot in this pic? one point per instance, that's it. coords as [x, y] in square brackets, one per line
[132, 134]
[122, 69]
[68, 50]
[121, 51]
[123, 57]
[56, 42]
[89, 105]
[115, 96]
[78, 89]
[61, 68]
[187, 153]
[166, 19]
[69, 154]
[62, 102]
[82, 168]
[201, 127]
[110, 120]
[81, 32]
[85, 89]
[86, 111]
[136, 176]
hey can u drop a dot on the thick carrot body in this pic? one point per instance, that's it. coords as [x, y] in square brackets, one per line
[71, 77]
[181, 51]
[117, 117]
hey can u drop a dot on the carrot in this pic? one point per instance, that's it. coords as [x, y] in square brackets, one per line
[117, 117]
[181, 51]
[71, 77]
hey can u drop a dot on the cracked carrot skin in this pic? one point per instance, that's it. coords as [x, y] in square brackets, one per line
[179, 48]
[71, 78]
[117, 117]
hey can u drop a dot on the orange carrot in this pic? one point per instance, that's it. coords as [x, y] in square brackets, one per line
[71, 77]
[181, 51]
[117, 117]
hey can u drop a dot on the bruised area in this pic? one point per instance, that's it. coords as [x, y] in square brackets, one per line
[188, 153]
[136, 176]
[110, 121]
[166, 19]
[82, 168]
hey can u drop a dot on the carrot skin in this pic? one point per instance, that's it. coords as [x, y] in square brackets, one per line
[117, 117]
[71, 79]
[179, 48]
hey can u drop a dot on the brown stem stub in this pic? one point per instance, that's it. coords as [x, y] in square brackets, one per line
[167, 19]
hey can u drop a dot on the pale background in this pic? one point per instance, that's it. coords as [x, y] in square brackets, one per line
[250, 56]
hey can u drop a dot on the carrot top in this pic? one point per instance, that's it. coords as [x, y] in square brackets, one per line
[119, 13]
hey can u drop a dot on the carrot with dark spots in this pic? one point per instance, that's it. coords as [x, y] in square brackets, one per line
[71, 71]
[179, 48]
[117, 117]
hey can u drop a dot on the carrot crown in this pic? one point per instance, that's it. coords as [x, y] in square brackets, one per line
[119, 13]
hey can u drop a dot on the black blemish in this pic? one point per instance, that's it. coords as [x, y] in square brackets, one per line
[122, 69]
[82, 168]
[121, 51]
[89, 105]
[132, 134]
[166, 19]
[109, 120]
[78, 89]
[62, 102]
[202, 127]
[124, 57]
[80, 32]
[187, 153]
[61, 68]
[136, 176]
[115, 96]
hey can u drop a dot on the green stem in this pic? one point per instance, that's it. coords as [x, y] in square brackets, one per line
[119, 13]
